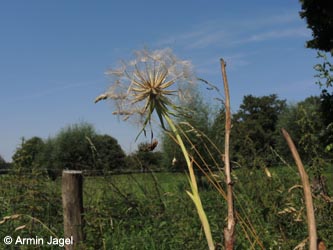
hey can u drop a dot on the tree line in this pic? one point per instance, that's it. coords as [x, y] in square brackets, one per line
[255, 140]
[76, 147]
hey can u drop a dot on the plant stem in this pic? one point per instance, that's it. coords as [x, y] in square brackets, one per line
[312, 230]
[194, 187]
[229, 231]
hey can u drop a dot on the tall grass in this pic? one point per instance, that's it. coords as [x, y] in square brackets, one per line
[270, 214]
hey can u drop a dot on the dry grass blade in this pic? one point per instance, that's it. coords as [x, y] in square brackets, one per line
[20, 228]
[301, 245]
[293, 187]
[307, 192]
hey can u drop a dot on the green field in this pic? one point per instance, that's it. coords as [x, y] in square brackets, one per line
[153, 211]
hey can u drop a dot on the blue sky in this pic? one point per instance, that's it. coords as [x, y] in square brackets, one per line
[53, 55]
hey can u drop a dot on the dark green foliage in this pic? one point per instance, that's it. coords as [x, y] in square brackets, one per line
[319, 17]
[326, 107]
[4, 166]
[91, 151]
[325, 72]
[145, 158]
[310, 126]
[255, 133]
[48, 159]
[304, 123]
[73, 149]
[2, 161]
[108, 154]
[326, 111]
[76, 147]
[254, 127]
[287, 121]
[28, 155]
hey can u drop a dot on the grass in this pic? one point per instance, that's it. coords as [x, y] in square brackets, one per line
[328, 173]
[143, 214]
[138, 212]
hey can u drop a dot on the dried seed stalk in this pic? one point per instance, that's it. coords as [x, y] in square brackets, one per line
[229, 231]
[307, 192]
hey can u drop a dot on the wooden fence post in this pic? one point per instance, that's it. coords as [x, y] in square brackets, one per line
[72, 203]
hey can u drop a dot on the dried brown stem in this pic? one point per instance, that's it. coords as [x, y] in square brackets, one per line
[307, 192]
[229, 231]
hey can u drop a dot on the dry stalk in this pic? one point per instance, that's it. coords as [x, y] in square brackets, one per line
[229, 231]
[307, 192]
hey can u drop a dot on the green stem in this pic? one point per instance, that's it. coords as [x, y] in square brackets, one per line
[194, 187]
[184, 151]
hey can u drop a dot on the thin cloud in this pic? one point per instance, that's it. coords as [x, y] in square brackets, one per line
[200, 37]
[270, 21]
[276, 34]
[207, 39]
[211, 65]
[178, 37]
[220, 34]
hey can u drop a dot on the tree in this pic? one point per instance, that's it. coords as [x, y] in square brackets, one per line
[326, 109]
[304, 123]
[3, 165]
[108, 154]
[254, 126]
[73, 147]
[325, 72]
[28, 154]
[145, 158]
[2, 162]
[319, 17]
[79, 147]
[48, 160]
[309, 123]
[287, 121]
[76, 147]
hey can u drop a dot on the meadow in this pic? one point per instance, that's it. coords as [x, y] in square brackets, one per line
[153, 211]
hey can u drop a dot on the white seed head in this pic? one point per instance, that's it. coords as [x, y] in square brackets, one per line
[151, 81]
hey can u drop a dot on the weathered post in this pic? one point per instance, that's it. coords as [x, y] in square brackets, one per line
[72, 203]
